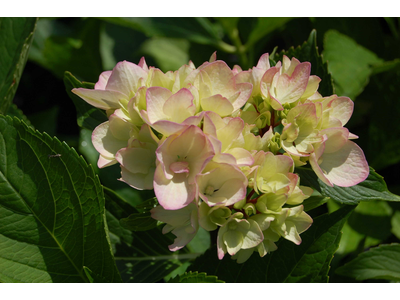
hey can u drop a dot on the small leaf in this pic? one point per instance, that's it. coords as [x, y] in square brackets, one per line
[382, 262]
[372, 188]
[349, 63]
[195, 277]
[16, 35]
[308, 262]
[52, 211]
[89, 117]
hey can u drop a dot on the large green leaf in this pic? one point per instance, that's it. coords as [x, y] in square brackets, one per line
[52, 211]
[141, 256]
[89, 117]
[349, 63]
[372, 188]
[309, 52]
[16, 35]
[195, 277]
[382, 262]
[308, 262]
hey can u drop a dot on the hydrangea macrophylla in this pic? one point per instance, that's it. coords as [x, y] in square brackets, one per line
[205, 139]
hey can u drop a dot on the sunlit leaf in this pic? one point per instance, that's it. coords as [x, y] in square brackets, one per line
[52, 211]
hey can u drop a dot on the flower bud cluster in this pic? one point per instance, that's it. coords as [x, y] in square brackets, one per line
[219, 146]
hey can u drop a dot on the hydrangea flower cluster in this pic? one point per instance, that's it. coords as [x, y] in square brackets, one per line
[219, 146]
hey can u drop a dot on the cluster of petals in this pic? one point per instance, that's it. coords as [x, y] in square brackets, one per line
[206, 139]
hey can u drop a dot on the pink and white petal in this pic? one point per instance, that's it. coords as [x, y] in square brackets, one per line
[220, 76]
[233, 241]
[119, 128]
[292, 150]
[232, 191]
[347, 166]
[105, 161]
[263, 62]
[275, 103]
[253, 237]
[224, 158]
[180, 106]
[103, 79]
[266, 81]
[105, 143]
[229, 133]
[168, 128]
[218, 104]
[155, 99]
[143, 65]
[242, 156]
[312, 86]
[290, 89]
[337, 137]
[314, 158]
[136, 160]
[125, 78]
[138, 181]
[213, 57]
[341, 109]
[173, 193]
[102, 99]
[244, 92]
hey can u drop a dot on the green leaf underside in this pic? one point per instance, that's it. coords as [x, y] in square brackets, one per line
[373, 188]
[141, 256]
[16, 35]
[52, 211]
[89, 117]
[308, 262]
[195, 277]
[382, 262]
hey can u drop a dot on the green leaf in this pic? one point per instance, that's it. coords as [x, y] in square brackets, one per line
[349, 63]
[368, 225]
[89, 117]
[395, 222]
[308, 262]
[16, 35]
[52, 211]
[14, 111]
[314, 202]
[93, 277]
[309, 52]
[195, 277]
[265, 26]
[141, 256]
[382, 262]
[169, 53]
[372, 188]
